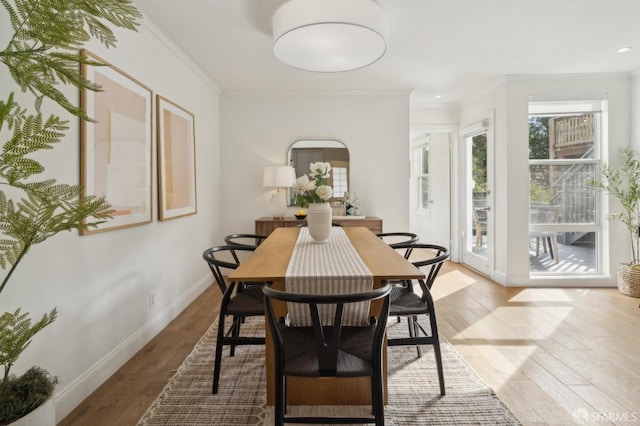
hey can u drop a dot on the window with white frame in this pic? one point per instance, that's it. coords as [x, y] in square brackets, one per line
[421, 157]
[565, 141]
[340, 183]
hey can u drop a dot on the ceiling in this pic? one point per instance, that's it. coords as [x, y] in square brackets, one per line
[447, 48]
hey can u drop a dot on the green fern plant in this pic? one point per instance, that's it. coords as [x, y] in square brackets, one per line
[16, 332]
[41, 55]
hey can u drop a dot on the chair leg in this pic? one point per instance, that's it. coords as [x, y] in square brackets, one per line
[235, 332]
[377, 398]
[218, 360]
[416, 333]
[554, 243]
[436, 349]
[377, 395]
[411, 327]
[281, 399]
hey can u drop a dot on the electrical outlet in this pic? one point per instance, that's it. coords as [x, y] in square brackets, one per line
[152, 299]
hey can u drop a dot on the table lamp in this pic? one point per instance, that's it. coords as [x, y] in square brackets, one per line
[279, 177]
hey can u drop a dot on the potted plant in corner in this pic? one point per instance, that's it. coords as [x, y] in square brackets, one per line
[623, 183]
[42, 53]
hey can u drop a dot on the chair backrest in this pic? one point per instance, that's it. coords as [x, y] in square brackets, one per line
[304, 224]
[243, 240]
[543, 214]
[220, 258]
[433, 263]
[394, 239]
[327, 338]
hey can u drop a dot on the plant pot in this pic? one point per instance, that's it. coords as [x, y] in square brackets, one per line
[44, 415]
[319, 221]
[629, 279]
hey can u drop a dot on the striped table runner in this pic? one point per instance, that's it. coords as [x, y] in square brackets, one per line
[330, 268]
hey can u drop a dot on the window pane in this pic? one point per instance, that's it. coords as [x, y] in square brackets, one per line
[563, 189]
[479, 162]
[339, 181]
[563, 252]
[424, 160]
[424, 192]
[562, 136]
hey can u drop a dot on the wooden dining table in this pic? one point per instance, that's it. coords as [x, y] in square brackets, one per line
[268, 264]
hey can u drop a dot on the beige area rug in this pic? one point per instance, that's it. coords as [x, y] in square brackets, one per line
[414, 397]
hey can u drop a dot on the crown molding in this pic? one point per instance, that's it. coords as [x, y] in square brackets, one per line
[162, 37]
[317, 92]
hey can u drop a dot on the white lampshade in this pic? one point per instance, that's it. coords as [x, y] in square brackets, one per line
[329, 35]
[279, 176]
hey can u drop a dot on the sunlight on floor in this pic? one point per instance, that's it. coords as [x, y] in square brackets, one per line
[535, 295]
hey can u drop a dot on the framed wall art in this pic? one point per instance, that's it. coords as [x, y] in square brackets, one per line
[116, 149]
[176, 160]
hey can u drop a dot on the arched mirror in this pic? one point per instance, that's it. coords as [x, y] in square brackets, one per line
[304, 152]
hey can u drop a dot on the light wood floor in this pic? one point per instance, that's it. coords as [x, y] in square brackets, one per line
[549, 354]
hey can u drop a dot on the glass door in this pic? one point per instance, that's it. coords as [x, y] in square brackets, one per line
[477, 204]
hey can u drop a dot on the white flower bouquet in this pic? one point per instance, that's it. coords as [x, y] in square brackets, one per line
[313, 188]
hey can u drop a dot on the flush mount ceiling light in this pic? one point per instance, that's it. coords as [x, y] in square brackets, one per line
[329, 35]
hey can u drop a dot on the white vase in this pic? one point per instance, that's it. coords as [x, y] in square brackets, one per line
[319, 221]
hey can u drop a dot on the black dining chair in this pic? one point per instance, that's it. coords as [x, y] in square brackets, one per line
[244, 240]
[238, 302]
[395, 239]
[406, 303]
[328, 350]
[304, 224]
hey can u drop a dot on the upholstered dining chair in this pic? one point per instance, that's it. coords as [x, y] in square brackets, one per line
[405, 302]
[238, 302]
[328, 350]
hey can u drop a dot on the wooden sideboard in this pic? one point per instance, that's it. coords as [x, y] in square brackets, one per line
[266, 225]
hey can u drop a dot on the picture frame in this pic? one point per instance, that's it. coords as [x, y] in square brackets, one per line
[116, 147]
[176, 160]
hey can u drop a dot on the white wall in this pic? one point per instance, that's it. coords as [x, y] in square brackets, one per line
[510, 103]
[257, 129]
[100, 283]
[635, 110]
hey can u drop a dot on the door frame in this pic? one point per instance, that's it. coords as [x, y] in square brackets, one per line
[416, 132]
[484, 266]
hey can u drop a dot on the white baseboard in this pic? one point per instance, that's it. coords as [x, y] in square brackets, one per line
[70, 396]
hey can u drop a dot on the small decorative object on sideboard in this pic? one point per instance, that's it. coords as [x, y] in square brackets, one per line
[348, 205]
[301, 214]
[356, 204]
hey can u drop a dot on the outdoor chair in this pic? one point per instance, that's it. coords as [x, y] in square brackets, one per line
[545, 214]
